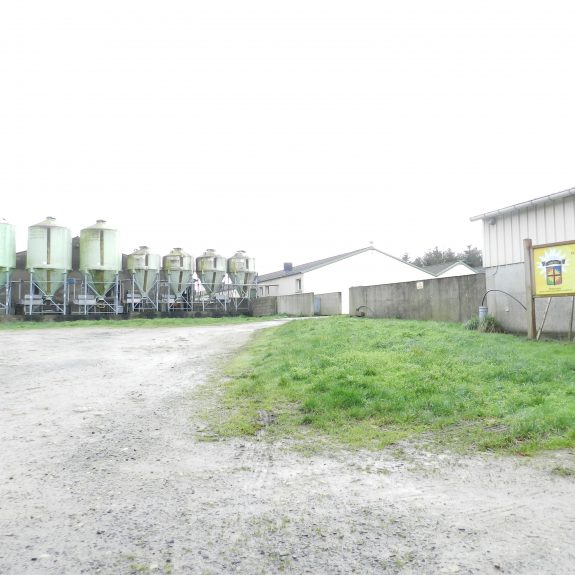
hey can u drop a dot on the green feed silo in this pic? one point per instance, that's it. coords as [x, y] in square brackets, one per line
[49, 255]
[145, 266]
[179, 269]
[211, 269]
[100, 257]
[241, 271]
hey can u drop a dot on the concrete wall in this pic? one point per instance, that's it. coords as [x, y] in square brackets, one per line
[367, 268]
[443, 299]
[510, 314]
[296, 305]
[264, 306]
[329, 303]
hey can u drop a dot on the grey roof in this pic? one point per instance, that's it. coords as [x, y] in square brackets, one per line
[438, 269]
[535, 202]
[303, 268]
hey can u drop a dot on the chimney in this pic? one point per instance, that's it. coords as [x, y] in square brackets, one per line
[288, 267]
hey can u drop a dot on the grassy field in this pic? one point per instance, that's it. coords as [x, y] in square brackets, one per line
[369, 383]
[132, 323]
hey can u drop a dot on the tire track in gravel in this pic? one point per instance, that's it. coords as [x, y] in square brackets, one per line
[90, 481]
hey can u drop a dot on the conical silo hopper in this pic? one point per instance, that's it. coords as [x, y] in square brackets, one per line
[49, 255]
[145, 267]
[100, 257]
[211, 269]
[179, 268]
[242, 271]
[7, 250]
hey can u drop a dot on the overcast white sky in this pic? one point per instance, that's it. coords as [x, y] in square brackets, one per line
[293, 130]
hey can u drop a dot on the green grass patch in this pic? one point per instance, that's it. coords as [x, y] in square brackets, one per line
[132, 323]
[369, 383]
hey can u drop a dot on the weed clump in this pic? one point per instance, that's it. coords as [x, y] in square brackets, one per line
[472, 324]
[487, 325]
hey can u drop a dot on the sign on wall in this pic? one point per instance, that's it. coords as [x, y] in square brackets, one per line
[554, 269]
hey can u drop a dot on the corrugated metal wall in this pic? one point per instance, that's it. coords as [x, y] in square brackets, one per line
[553, 221]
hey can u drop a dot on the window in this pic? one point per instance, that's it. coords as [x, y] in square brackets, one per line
[298, 285]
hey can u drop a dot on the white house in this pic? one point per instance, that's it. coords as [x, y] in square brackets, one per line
[366, 266]
[544, 220]
[451, 269]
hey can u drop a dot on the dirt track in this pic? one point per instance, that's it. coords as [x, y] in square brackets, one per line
[103, 471]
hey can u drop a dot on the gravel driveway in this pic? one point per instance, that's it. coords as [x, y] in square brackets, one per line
[104, 469]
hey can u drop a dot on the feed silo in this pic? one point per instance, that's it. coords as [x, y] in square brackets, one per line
[7, 260]
[211, 269]
[145, 269]
[242, 272]
[179, 269]
[100, 257]
[49, 257]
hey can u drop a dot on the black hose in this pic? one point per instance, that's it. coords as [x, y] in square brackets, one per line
[501, 291]
[362, 313]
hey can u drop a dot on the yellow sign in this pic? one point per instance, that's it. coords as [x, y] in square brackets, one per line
[554, 269]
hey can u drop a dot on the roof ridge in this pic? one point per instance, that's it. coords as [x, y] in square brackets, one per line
[534, 202]
[316, 264]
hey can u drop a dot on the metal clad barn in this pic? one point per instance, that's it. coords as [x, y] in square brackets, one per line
[544, 220]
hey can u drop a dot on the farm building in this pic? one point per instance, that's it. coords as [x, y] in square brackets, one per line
[544, 220]
[451, 269]
[366, 266]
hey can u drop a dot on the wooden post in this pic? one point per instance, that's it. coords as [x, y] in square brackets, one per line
[571, 320]
[529, 299]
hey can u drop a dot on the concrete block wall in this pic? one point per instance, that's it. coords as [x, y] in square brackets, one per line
[300, 304]
[453, 299]
[294, 305]
[329, 303]
[262, 306]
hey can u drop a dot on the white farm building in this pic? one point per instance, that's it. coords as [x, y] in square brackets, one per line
[545, 220]
[363, 267]
[451, 269]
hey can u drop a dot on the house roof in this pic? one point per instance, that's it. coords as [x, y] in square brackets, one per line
[303, 268]
[438, 269]
[535, 202]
